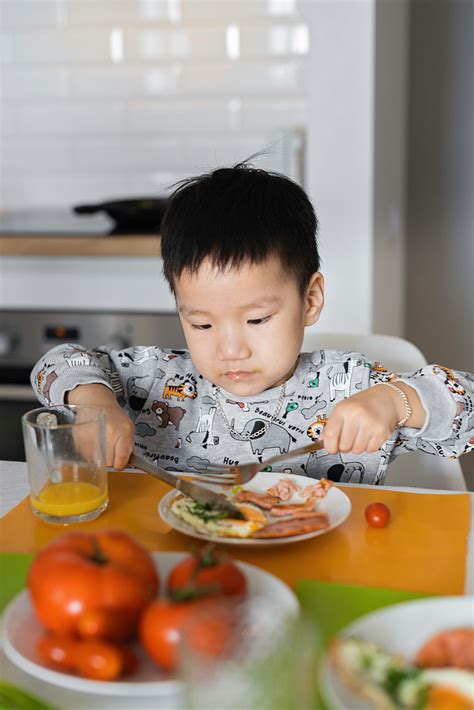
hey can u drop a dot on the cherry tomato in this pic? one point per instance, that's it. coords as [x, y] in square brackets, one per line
[377, 515]
[97, 660]
[207, 570]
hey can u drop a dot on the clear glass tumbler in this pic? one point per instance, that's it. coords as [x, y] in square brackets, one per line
[65, 454]
[250, 656]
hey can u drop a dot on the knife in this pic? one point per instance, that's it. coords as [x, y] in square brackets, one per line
[202, 495]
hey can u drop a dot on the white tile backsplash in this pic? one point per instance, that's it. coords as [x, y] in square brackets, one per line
[182, 43]
[31, 13]
[173, 116]
[64, 118]
[40, 156]
[31, 82]
[117, 98]
[60, 45]
[242, 78]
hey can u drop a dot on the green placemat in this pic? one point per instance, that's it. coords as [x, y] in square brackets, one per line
[333, 606]
[13, 571]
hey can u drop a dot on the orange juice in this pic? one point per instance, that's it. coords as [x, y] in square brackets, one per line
[69, 498]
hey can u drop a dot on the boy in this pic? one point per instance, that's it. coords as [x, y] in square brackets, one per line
[240, 255]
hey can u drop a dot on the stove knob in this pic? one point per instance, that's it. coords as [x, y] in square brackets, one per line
[7, 343]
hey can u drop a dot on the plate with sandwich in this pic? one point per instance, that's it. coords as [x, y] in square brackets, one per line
[276, 509]
[416, 655]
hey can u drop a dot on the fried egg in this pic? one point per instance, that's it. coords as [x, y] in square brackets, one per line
[213, 523]
[449, 689]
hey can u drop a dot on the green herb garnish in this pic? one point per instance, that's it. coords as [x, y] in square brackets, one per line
[206, 512]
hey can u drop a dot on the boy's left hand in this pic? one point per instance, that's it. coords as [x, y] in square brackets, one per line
[364, 421]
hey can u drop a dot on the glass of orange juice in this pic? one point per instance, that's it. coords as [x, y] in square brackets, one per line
[65, 454]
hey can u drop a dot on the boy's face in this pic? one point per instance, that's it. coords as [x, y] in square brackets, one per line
[244, 327]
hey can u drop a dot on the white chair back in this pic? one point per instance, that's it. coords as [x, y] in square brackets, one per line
[414, 469]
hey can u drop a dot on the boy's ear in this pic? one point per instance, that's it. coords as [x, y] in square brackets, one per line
[314, 298]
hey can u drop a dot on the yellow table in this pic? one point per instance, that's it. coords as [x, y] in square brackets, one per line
[424, 549]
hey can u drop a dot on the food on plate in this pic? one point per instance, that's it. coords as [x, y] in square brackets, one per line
[317, 490]
[208, 626]
[377, 515]
[295, 510]
[208, 570]
[284, 489]
[79, 573]
[453, 648]
[263, 500]
[389, 682]
[208, 520]
[96, 660]
[268, 515]
[293, 526]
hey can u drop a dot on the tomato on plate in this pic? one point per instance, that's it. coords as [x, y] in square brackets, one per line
[209, 571]
[97, 660]
[377, 515]
[207, 625]
[106, 572]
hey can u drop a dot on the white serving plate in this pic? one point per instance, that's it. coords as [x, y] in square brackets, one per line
[21, 631]
[336, 504]
[401, 629]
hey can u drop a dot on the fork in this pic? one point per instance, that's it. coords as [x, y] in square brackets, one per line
[237, 475]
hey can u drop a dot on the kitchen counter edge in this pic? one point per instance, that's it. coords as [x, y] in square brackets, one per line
[62, 245]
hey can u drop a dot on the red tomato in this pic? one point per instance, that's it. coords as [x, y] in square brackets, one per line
[97, 660]
[83, 572]
[209, 627]
[207, 570]
[377, 515]
[105, 624]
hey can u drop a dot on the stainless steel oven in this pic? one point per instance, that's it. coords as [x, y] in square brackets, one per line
[26, 335]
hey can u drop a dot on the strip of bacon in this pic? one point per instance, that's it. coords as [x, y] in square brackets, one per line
[293, 509]
[261, 499]
[284, 489]
[293, 526]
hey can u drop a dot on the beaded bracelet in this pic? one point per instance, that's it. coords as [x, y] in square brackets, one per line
[401, 393]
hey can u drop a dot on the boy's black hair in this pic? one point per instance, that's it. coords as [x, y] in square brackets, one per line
[237, 215]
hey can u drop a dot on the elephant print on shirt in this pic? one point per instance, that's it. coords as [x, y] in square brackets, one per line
[261, 436]
[137, 395]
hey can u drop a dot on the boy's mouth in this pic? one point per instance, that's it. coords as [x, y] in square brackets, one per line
[238, 375]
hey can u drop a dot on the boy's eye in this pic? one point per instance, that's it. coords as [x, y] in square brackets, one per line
[206, 326]
[258, 321]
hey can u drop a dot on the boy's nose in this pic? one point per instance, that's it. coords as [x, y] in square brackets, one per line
[233, 347]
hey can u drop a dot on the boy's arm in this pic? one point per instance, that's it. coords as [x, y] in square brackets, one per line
[72, 374]
[441, 421]
[64, 368]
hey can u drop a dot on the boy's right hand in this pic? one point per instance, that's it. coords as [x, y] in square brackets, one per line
[120, 430]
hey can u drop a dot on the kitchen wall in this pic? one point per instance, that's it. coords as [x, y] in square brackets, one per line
[440, 186]
[111, 98]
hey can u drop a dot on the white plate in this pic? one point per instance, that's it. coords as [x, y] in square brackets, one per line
[21, 632]
[336, 504]
[401, 629]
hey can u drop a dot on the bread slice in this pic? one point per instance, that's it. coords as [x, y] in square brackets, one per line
[385, 681]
